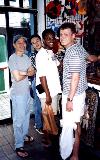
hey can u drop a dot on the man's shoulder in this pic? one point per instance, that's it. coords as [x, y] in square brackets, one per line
[78, 48]
[12, 56]
[76, 51]
[26, 56]
[41, 52]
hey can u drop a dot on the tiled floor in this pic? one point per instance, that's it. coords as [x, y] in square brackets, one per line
[36, 149]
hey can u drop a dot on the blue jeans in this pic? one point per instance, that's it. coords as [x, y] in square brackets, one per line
[37, 106]
[21, 117]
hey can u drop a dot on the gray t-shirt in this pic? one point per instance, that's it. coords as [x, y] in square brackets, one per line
[74, 62]
[20, 63]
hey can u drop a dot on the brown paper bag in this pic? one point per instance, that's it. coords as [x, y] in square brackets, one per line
[49, 124]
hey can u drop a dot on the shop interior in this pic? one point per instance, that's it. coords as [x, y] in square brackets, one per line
[87, 18]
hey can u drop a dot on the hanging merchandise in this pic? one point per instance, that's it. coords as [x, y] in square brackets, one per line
[67, 12]
[53, 26]
[80, 27]
[53, 9]
[70, 8]
[88, 124]
[82, 7]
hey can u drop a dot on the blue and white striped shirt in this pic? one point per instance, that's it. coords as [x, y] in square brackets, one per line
[74, 62]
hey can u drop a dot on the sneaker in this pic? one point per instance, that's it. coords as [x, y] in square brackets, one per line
[39, 130]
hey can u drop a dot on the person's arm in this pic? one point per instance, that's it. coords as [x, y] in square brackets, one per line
[74, 84]
[31, 71]
[73, 88]
[99, 58]
[46, 89]
[18, 75]
[41, 67]
[91, 58]
[75, 69]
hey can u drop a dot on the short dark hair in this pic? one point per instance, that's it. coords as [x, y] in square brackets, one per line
[46, 31]
[67, 25]
[35, 36]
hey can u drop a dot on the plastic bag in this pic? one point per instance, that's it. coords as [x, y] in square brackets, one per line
[67, 138]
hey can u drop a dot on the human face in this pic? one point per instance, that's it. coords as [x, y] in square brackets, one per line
[49, 41]
[67, 37]
[36, 43]
[20, 46]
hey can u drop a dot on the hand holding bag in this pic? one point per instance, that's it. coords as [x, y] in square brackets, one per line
[49, 124]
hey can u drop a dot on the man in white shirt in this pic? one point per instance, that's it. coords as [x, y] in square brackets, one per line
[47, 73]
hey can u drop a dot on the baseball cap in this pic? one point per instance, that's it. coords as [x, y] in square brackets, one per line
[17, 37]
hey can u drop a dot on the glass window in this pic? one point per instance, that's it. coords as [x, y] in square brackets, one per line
[1, 2]
[14, 3]
[15, 18]
[2, 20]
[25, 3]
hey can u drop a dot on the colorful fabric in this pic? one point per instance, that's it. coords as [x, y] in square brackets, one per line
[89, 123]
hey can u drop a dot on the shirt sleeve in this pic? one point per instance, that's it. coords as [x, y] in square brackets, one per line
[12, 64]
[75, 64]
[41, 64]
[29, 62]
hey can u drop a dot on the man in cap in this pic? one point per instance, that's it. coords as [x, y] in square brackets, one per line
[20, 68]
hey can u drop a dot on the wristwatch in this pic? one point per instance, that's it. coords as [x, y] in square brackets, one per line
[69, 99]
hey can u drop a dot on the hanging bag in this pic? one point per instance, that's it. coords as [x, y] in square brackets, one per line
[49, 124]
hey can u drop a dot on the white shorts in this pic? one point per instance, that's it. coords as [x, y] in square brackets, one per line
[54, 103]
[78, 106]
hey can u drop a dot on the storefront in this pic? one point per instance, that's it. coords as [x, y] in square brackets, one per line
[51, 14]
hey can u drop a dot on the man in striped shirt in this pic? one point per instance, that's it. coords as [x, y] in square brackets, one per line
[74, 81]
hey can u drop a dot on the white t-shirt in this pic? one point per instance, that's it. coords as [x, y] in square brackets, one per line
[46, 65]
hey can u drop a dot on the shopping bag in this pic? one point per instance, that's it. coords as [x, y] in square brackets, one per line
[66, 141]
[49, 124]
